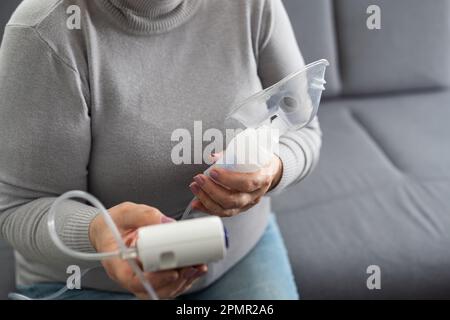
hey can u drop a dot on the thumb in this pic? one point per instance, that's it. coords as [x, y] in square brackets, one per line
[133, 237]
[141, 218]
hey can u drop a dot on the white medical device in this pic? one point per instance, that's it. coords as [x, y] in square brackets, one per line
[181, 244]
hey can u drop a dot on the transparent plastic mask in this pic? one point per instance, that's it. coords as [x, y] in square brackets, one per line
[290, 104]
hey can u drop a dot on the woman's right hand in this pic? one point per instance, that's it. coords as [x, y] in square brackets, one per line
[129, 217]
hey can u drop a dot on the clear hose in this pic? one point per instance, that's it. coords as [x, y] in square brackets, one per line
[124, 252]
[188, 209]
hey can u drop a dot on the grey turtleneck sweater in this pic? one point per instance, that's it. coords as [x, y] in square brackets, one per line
[94, 109]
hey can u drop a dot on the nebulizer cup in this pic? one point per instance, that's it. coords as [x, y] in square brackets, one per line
[288, 105]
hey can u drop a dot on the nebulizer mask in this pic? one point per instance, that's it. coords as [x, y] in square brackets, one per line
[290, 104]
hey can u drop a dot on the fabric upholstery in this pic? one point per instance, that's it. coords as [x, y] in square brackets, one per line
[313, 23]
[411, 51]
[379, 196]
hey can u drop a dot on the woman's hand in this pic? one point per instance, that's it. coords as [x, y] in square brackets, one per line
[226, 193]
[129, 217]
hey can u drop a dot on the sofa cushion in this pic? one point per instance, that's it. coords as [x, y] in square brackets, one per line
[413, 130]
[410, 51]
[350, 161]
[379, 196]
[313, 24]
[402, 228]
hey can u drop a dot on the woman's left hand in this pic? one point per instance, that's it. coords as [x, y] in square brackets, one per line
[227, 193]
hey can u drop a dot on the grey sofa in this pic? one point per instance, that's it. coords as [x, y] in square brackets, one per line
[381, 192]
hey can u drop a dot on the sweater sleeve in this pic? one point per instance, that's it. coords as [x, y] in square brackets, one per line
[45, 141]
[278, 56]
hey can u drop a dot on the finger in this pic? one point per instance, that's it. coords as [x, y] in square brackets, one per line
[170, 292]
[240, 181]
[140, 217]
[161, 279]
[165, 278]
[203, 268]
[174, 288]
[185, 287]
[226, 198]
[207, 202]
[157, 280]
[211, 207]
[120, 271]
[190, 275]
[170, 289]
[194, 272]
[197, 205]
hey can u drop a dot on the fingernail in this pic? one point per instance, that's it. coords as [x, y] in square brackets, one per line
[200, 180]
[214, 174]
[194, 188]
[166, 219]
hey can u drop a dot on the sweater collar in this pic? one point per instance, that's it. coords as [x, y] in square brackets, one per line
[151, 16]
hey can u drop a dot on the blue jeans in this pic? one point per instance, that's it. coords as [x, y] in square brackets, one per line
[264, 274]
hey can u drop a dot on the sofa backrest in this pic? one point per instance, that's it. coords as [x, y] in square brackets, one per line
[313, 23]
[411, 51]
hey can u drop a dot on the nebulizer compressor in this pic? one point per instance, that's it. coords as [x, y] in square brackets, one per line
[290, 104]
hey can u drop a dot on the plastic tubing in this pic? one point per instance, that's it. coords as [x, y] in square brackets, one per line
[124, 252]
[188, 209]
